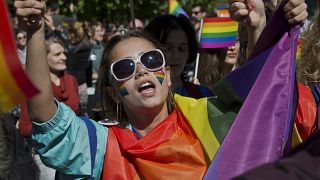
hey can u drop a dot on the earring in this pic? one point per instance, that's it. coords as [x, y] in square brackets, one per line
[171, 102]
[118, 111]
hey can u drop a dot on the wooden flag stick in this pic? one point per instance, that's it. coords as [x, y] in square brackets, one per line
[198, 55]
[196, 69]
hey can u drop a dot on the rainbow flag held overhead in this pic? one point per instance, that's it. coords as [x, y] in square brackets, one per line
[218, 33]
[175, 8]
[15, 86]
[267, 86]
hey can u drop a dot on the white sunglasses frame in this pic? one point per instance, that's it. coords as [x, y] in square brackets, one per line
[136, 61]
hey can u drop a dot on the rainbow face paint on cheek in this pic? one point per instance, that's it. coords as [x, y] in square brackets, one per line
[122, 90]
[160, 75]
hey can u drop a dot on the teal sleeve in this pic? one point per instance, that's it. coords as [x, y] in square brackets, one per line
[63, 144]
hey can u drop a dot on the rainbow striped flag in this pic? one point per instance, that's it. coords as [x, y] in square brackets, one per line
[15, 87]
[218, 33]
[170, 150]
[175, 8]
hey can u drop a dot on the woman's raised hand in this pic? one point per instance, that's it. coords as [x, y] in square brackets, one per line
[31, 19]
[295, 11]
[248, 12]
[30, 14]
[251, 12]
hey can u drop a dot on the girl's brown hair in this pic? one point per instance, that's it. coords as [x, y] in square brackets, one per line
[76, 32]
[210, 66]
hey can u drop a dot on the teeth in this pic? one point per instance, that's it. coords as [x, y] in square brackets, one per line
[145, 84]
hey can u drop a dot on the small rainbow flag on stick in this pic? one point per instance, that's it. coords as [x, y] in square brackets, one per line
[218, 32]
[15, 86]
[175, 8]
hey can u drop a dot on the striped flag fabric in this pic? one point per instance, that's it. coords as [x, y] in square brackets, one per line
[218, 32]
[170, 150]
[175, 8]
[15, 87]
[262, 129]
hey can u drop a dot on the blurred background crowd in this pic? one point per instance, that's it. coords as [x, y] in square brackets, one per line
[77, 31]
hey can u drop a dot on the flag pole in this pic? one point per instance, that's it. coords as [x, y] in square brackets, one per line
[198, 54]
[132, 15]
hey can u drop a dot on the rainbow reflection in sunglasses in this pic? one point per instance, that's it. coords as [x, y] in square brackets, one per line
[124, 69]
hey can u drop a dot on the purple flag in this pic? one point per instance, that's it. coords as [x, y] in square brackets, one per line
[262, 129]
[316, 95]
[318, 117]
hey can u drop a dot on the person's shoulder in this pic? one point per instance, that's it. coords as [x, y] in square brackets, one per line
[305, 92]
[195, 85]
[69, 76]
[205, 91]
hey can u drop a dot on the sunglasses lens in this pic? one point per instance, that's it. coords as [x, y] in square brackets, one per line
[23, 37]
[152, 60]
[123, 68]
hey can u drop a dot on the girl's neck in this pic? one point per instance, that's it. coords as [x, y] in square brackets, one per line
[226, 68]
[145, 121]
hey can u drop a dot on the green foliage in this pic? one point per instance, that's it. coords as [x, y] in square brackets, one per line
[119, 11]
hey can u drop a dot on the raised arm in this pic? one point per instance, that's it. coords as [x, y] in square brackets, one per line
[31, 13]
[251, 14]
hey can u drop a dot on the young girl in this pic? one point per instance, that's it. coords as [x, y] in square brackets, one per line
[179, 41]
[158, 141]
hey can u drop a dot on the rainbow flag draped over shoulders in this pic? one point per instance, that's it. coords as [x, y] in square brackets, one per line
[266, 85]
[175, 8]
[170, 150]
[181, 146]
[218, 32]
[15, 87]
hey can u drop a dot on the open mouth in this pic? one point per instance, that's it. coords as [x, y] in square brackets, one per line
[146, 87]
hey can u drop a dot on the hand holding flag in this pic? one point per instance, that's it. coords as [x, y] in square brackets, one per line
[31, 18]
[249, 13]
[252, 15]
[267, 87]
[30, 14]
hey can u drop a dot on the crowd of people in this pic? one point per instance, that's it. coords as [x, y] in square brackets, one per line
[133, 85]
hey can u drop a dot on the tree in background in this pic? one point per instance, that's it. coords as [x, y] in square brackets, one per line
[118, 10]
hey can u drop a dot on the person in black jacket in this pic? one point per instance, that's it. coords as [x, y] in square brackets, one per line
[78, 63]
